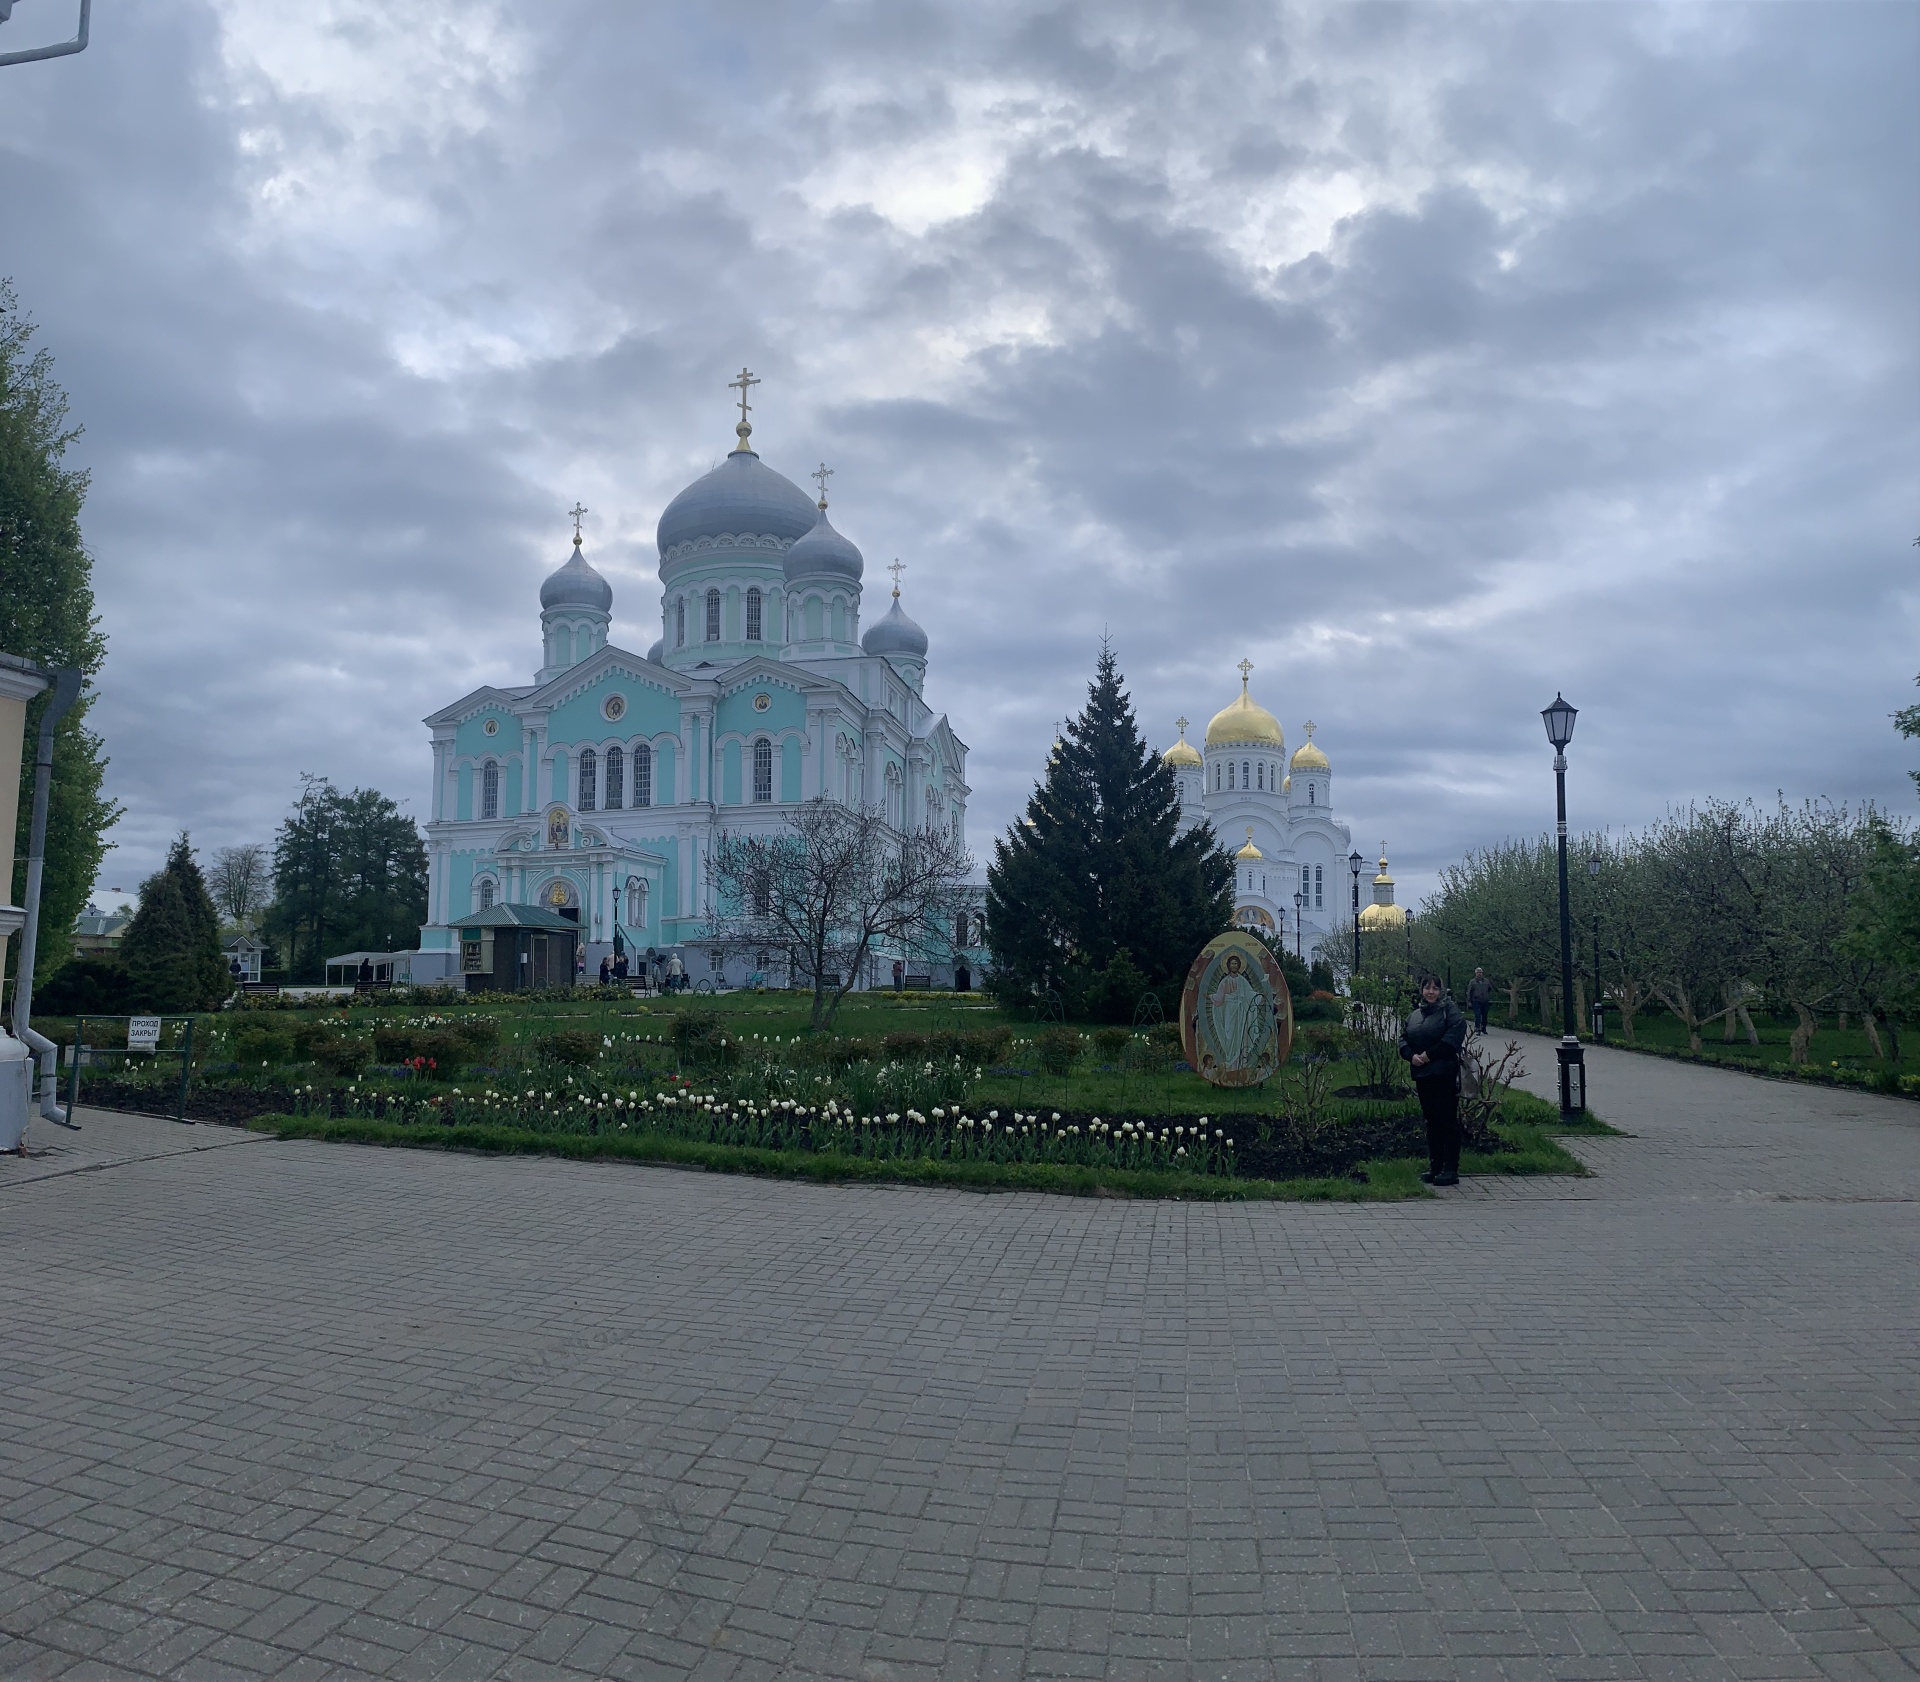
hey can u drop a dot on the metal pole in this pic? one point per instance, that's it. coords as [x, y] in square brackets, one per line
[1356, 922]
[1599, 1005]
[186, 1070]
[1572, 1085]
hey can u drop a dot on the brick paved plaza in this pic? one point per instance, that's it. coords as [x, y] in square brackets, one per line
[313, 1410]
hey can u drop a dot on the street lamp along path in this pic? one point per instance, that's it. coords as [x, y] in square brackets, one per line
[1558, 719]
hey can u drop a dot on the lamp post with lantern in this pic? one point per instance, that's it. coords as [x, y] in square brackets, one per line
[1299, 902]
[1558, 719]
[1354, 863]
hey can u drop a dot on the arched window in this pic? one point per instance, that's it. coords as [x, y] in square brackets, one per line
[680, 623]
[1260, 776]
[1304, 881]
[1245, 781]
[486, 893]
[753, 616]
[616, 779]
[633, 911]
[1319, 887]
[489, 790]
[713, 616]
[589, 779]
[1229, 773]
[1216, 776]
[642, 774]
[960, 930]
[763, 770]
[1312, 795]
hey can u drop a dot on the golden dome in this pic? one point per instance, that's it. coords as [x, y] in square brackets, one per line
[1244, 720]
[1383, 879]
[1183, 752]
[1307, 757]
[1249, 851]
[1383, 917]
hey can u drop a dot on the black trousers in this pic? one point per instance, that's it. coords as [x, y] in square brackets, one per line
[1440, 1104]
[1479, 1019]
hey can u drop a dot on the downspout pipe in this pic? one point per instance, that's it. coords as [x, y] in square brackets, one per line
[66, 690]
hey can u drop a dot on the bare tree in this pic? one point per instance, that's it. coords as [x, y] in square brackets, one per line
[240, 882]
[836, 883]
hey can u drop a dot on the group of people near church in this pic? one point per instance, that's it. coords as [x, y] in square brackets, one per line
[666, 973]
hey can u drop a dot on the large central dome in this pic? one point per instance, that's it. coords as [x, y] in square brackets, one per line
[1243, 719]
[742, 497]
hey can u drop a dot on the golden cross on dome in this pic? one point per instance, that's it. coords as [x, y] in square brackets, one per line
[896, 569]
[1310, 729]
[743, 385]
[820, 475]
[1246, 671]
[576, 511]
[1182, 723]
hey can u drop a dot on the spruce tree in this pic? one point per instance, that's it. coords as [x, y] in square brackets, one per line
[1095, 893]
[172, 946]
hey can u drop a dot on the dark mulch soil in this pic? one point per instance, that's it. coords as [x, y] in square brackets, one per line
[234, 1106]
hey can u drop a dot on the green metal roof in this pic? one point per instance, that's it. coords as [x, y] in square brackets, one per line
[516, 917]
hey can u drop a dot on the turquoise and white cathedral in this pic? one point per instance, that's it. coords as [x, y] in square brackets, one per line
[596, 792]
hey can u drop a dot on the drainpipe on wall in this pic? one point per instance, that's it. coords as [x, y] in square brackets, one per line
[66, 690]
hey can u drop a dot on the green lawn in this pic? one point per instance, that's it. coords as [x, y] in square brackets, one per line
[1833, 1050]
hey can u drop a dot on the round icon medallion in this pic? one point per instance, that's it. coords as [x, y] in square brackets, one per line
[762, 701]
[614, 708]
[491, 727]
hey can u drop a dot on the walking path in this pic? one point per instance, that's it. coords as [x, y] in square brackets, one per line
[302, 1410]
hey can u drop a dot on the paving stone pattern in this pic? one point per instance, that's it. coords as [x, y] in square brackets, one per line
[315, 1411]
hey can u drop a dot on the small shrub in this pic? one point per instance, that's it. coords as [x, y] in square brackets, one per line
[307, 1036]
[341, 1056]
[578, 1047]
[1110, 1044]
[477, 1033]
[255, 1043]
[902, 1046]
[395, 1045]
[691, 1030]
[983, 1047]
[1058, 1048]
[1322, 1041]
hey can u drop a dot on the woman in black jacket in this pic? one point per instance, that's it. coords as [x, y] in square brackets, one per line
[1431, 1042]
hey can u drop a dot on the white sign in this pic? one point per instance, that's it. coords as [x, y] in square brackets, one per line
[143, 1033]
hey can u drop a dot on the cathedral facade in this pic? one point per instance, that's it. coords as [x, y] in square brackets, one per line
[1274, 814]
[593, 796]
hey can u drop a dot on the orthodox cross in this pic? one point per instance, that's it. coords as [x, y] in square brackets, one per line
[820, 475]
[1246, 671]
[896, 569]
[1310, 729]
[743, 385]
[1183, 728]
[576, 511]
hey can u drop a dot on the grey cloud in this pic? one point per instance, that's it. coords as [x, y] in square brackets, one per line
[1602, 382]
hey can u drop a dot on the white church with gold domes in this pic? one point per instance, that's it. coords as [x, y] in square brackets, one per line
[1273, 813]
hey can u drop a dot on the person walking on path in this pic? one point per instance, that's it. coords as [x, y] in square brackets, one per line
[1479, 996]
[1431, 1043]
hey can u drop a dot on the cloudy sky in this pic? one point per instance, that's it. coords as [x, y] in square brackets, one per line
[1430, 357]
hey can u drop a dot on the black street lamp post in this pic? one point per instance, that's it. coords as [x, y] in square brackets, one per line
[1573, 1066]
[1599, 1000]
[1299, 900]
[1354, 862]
